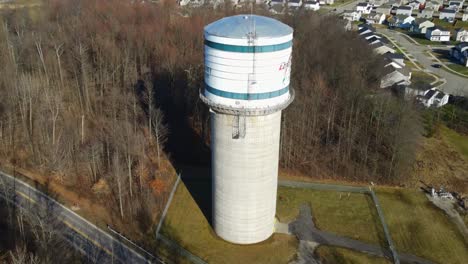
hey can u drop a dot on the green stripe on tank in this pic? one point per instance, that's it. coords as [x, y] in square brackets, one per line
[248, 49]
[246, 96]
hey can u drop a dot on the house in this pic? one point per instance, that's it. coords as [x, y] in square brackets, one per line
[460, 53]
[352, 15]
[447, 14]
[395, 77]
[433, 97]
[462, 35]
[414, 4]
[376, 3]
[277, 3]
[329, 2]
[374, 18]
[465, 15]
[426, 13]
[380, 48]
[313, 5]
[457, 4]
[400, 21]
[404, 10]
[364, 8]
[420, 25]
[384, 9]
[437, 34]
[294, 3]
[433, 5]
[396, 59]
[364, 29]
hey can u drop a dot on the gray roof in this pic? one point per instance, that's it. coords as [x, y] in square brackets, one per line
[429, 94]
[405, 8]
[448, 11]
[440, 95]
[363, 4]
[239, 26]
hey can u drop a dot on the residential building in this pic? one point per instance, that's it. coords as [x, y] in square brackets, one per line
[433, 5]
[400, 21]
[364, 7]
[396, 58]
[364, 29]
[314, 5]
[437, 34]
[352, 15]
[380, 48]
[447, 14]
[433, 98]
[395, 77]
[420, 25]
[462, 35]
[404, 10]
[460, 53]
[374, 18]
[329, 2]
[458, 4]
[277, 2]
[426, 13]
[384, 9]
[465, 15]
[294, 3]
[414, 4]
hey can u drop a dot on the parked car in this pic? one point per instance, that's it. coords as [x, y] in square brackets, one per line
[436, 65]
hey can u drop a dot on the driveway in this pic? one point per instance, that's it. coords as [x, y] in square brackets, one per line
[455, 84]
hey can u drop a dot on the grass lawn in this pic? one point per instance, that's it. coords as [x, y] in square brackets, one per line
[421, 80]
[443, 23]
[461, 24]
[418, 227]
[340, 2]
[460, 142]
[458, 68]
[336, 255]
[186, 224]
[353, 216]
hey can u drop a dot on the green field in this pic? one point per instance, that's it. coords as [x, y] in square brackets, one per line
[419, 228]
[460, 142]
[186, 224]
[459, 68]
[348, 214]
[336, 255]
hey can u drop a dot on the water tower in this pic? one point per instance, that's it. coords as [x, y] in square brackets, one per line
[247, 70]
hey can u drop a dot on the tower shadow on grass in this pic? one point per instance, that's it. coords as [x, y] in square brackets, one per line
[188, 151]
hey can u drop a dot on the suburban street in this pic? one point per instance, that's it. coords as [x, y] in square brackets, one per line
[455, 84]
[97, 245]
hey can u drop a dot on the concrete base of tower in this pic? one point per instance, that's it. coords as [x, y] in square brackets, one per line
[245, 152]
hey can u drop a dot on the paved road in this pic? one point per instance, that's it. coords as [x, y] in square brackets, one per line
[303, 227]
[455, 84]
[90, 240]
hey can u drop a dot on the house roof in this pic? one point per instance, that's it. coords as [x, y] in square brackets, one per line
[440, 95]
[429, 94]
[405, 8]
[362, 4]
[294, 1]
[394, 56]
[448, 11]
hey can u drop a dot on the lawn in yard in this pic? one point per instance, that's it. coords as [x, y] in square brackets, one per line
[348, 214]
[458, 141]
[186, 224]
[458, 68]
[420, 228]
[421, 80]
[336, 255]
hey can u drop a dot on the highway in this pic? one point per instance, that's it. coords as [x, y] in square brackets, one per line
[97, 245]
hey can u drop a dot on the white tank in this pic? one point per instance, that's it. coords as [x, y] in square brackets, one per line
[247, 71]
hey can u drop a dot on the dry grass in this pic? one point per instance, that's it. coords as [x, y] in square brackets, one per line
[419, 228]
[186, 224]
[336, 255]
[348, 214]
[442, 160]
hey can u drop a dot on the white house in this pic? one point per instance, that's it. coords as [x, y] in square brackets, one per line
[312, 5]
[447, 14]
[465, 15]
[404, 10]
[433, 5]
[352, 15]
[277, 3]
[438, 34]
[457, 4]
[401, 21]
[426, 13]
[434, 97]
[420, 25]
[380, 48]
[294, 3]
[364, 8]
[460, 53]
[462, 35]
[395, 77]
[374, 18]
[414, 4]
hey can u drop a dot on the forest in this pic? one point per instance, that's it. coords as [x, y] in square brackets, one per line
[102, 97]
